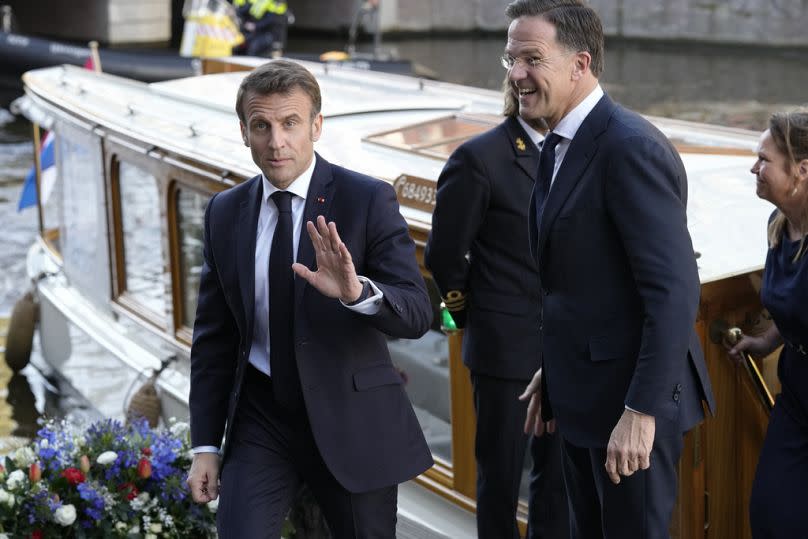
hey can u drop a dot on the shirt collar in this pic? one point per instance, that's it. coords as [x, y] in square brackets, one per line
[299, 186]
[534, 135]
[570, 123]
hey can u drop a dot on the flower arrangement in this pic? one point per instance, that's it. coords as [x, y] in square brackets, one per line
[105, 480]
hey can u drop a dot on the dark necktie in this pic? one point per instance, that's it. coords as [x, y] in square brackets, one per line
[285, 379]
[546, 166]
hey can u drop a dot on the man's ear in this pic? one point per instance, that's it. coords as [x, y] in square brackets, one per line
[581, 65]
[802, 170]
[317, 127]
[244, 133]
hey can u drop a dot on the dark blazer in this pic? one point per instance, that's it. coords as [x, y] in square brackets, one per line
[481, 210]
[361, 418]
[619, 282]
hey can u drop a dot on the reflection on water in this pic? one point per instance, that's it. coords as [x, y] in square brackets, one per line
[28, 395]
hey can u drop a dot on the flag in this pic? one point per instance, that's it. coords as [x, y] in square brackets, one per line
[47, 163]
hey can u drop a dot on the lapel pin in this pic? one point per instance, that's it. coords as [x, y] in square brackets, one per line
[520, 144]
[321, 200]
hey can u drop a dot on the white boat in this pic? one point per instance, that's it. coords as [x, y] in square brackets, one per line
[119, 255]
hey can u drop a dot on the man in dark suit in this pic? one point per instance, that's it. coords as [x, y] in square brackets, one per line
[479, 255]
[622, 372]
[295, 371]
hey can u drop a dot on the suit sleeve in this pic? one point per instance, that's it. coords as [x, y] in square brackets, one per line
[646, 194]
[391, 264]
[213, 352]
[460, 208]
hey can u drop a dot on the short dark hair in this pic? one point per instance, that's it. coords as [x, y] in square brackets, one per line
[578, 27]
[279, 77]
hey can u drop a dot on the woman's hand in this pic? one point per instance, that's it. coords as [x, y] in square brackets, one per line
[757, 347]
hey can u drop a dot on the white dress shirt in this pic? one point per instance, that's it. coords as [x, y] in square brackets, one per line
[566, 128]
[570, 124]
[267, 221]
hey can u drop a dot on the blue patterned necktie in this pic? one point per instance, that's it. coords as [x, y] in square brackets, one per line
[545, 177]
[285, 378]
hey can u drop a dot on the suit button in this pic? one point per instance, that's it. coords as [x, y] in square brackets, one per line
[675, 397]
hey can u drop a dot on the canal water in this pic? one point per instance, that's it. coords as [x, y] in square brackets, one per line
[709, 83]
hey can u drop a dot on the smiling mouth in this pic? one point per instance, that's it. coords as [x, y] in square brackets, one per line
[525, 91]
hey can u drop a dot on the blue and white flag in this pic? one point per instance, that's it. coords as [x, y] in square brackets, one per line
[47, 164]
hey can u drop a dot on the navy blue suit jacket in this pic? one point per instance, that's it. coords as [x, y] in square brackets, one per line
[619, 282]
[481, 210]
[361, 418]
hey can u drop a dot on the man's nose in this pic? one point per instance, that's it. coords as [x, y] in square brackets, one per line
[517, 72]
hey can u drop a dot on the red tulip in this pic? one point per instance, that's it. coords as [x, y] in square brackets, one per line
[37, 534]
[144, 468]
[146, 451]
[84, 463]
[74, 476]
[34, 472]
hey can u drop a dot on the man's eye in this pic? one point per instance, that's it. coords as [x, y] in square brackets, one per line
[535, 61]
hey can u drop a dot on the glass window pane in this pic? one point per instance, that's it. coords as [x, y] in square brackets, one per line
[142, 237]
[190, 222]
[83, 234]
[437, 138]
[425, 364]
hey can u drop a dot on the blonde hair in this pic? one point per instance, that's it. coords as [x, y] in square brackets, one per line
[789, 132]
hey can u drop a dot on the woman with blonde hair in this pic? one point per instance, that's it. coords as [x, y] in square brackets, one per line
[777, 506]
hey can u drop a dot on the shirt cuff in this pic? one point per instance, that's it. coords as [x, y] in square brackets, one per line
[205, 449]
[372, 304]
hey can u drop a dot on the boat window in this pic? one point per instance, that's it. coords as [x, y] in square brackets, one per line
[435, 138]
[141, 234]
[190, 207]
[424, 365]
[82, 232]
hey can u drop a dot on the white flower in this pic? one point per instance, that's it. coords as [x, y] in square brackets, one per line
[3, 536]
[213, 505]
[134, 530]
[107, 457]
[24, 457]
[140, 501]
[156, 527]
[15, 479]
[6, 498]
[65, 515]
[150, 536]
[180, 429]
[120, 526]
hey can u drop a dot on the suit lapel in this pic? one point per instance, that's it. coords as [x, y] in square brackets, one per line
[249, 211]
[318, 202]
[526, 155]
[583, 147]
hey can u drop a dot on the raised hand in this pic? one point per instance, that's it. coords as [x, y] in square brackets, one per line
[335, 276]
